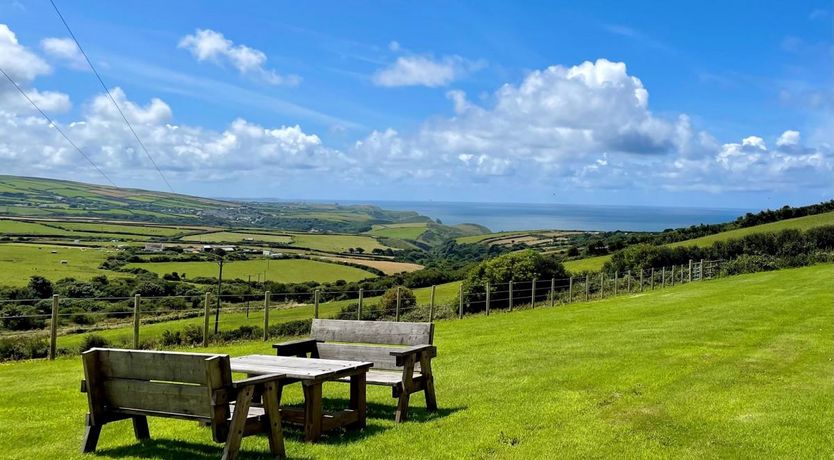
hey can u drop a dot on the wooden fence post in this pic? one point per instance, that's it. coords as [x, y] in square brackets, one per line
[701, 271]
[652, 280]
[316, 304]
[206, 316]
[431, 306]
[673, 274]
[628, 285]
[511, 295]
[641, 279]
[460, 301]
[267, 294]
[136, 304]
[663, 277]
[602, 285]
[397, 311]
[616, 283]
[552, 291]
[690, 270]
[533, 292]
[359, 310]
[53, 328]
[487, 298]
[587, 286]
[570, 290]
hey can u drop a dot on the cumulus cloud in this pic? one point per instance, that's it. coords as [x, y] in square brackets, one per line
[424, 70]
[23, 66]
[209, 45]
[65, 50]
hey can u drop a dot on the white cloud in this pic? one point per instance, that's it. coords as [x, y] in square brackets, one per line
[20, 63]
[425, 71]
[66, 50]
[209, 45]
[788, 139]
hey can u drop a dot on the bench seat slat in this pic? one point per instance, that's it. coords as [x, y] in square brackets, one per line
[379, 332]
[380, 356]
[157, 396]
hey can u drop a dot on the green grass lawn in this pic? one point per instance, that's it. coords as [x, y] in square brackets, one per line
[400, 231]
[588, 263]
[281, 270]
[20, 261]
[336, 243]
[733, 368]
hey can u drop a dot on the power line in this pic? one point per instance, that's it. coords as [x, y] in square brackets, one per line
[57, 128]
[87, 58]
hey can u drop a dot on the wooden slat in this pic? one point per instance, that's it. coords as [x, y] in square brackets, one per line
[380, 356]
[157, 396]
[382, 378]
[154, 365]
[296, 368]
[381, 332]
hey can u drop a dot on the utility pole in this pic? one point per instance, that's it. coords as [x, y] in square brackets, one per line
[220, 254]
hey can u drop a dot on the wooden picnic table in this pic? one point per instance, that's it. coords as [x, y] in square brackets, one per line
[312, 373]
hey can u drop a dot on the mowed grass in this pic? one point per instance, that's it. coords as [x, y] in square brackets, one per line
[18, 262]
[282, 270]
[399, 231]
[733, 368]
[587, 264]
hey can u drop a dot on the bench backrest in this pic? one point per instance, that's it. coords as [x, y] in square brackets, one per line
[356, 339]
[379, 332]
[178, 385]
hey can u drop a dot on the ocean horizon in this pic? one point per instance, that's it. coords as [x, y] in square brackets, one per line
[539, 216]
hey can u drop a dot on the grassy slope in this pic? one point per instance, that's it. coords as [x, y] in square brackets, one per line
[282, 271]
[20, 261]
[739, 367]
[800, 223]
[401, 231]
[236, 237]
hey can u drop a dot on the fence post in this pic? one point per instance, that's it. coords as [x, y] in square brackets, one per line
[641, 278]
[673, 274]
[460, 301]
[690, 270]
[136, 304]
[701, 271]
[570, 290]
[487, 298]
[628, 285]
[267, 294]
[511, 295]
[652, 280]
[316, 304]
[616, 283]
[397, 311]
[431, 306]
[552, 291]
[602, 285]
[53, 328]
[587, 286]
[663, 277]
[206, 315]
[533, 292]
[359, 310]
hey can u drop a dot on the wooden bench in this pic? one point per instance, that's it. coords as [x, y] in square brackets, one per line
[134, 384]
[401, 353]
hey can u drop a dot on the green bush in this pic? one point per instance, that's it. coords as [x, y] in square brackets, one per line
[23, 347]
[291, 328]
[93, 341]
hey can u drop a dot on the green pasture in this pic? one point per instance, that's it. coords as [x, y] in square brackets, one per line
[237, 237]
[280, 270]
[18, 262]
[400, 231]
[336, 243]
[147, 230]
[799, 223]
[733, 368]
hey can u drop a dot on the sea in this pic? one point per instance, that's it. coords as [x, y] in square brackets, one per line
[533, 216]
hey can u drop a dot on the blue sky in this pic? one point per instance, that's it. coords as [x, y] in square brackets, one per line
[725, 104]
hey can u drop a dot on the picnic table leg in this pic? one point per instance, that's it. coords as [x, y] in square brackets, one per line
[140, 427]
[312, 412]
[91, 434]
[402, 406]
[238, 423]
[357, 398]
[428, 383]
[272, 399]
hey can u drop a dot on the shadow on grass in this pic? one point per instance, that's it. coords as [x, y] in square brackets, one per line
[176, 449]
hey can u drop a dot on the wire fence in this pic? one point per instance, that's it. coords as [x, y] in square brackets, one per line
[145, 322]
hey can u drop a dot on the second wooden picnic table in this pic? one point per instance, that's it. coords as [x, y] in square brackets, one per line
[312, 373]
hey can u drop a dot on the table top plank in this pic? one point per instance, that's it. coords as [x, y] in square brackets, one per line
[298, 368]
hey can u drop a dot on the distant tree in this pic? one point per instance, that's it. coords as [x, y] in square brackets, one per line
[389, 299]
[573, 251]
[360, 250]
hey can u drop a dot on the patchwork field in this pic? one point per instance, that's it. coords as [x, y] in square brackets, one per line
[387, 267]
[732, 368]
[399, 231]
[282, 270]
[18, 262]
[237, 237]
